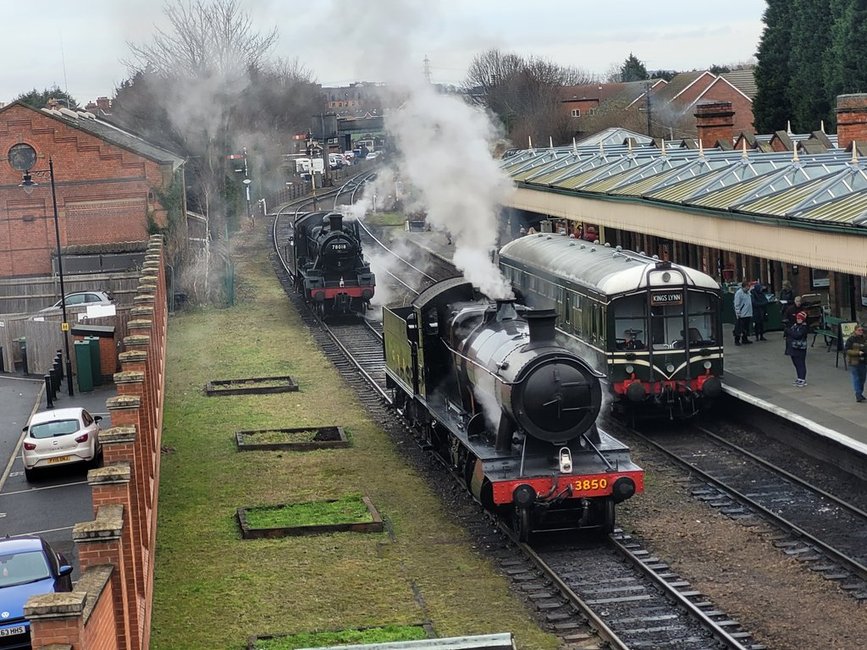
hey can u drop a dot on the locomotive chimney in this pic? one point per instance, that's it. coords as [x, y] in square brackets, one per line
[541, 324]
[335, 220]
[505, 310]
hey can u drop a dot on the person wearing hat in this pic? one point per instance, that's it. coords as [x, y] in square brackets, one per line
[855, 347]
[796, 347]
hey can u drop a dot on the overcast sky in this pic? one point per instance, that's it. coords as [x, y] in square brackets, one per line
[80, 46]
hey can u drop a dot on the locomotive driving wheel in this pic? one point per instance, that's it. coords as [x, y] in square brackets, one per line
[522, 523]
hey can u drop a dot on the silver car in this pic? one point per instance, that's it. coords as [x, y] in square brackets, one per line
[60, 437]
[81, 299]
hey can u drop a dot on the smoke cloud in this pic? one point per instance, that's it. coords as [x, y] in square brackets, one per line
[444, 145]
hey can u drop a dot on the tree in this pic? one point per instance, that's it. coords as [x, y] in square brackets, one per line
[39, 99]
[772, 106]
[525, 94]
[633, 69]
[204, 88]
[846, 67]
[810, 47]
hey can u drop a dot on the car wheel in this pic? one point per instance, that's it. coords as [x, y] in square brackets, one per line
[29, 474]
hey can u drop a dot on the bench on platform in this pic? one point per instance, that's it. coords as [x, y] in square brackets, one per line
[830, 329]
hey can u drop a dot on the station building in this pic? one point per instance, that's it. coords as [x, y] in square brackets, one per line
[734, 205]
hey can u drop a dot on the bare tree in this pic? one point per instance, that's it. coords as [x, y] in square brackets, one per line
[525, 94]
[205, 88]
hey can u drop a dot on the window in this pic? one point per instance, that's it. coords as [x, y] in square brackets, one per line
[821, 278]
[629, 322]
[576, 112]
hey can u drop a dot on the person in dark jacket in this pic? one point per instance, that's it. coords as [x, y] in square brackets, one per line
[760, 307]
[787, 296]
[855, 348]
[791, 309]
[796, 347]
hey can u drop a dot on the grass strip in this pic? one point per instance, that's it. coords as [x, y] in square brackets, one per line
[346, 510]
[386, 634]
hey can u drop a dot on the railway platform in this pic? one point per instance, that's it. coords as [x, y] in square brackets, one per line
[761, 376]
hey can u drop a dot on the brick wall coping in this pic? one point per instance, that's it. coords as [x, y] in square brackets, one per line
[137, 339]
[131, 356]
[107, 526]
[142, 310]
[147, 287]
[151, 262]
[80, 602]
[118, 435]
[129, 377]
[139, 324]
[93, 581]
[119, 402]
[113, 473]
[148, 276]
[64, 604]
[143, 298]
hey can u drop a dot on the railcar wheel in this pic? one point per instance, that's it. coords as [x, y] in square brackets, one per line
[522, 522]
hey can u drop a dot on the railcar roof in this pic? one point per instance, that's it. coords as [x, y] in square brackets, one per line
[593, 266]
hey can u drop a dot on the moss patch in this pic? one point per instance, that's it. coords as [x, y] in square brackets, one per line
[386, 634]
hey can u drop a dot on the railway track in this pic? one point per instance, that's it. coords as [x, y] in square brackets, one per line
[824, 531]
[622, 598]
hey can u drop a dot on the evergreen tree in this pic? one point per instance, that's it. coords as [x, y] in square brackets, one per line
[771, 106]
[39, 98]
[810, 48]
[846, 67]
[633, 69]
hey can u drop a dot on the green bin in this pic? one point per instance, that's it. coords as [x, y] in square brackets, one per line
[84, 366]
[94, 359]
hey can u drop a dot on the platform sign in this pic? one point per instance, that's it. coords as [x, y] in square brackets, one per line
[64, 327]
[847, 329]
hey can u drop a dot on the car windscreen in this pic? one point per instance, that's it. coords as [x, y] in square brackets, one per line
[54, 428]
[20, 568]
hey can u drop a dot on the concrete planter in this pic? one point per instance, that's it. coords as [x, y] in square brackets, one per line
[320, 438]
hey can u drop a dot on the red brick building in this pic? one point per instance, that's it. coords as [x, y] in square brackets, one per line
[594, 107]
[105, 179]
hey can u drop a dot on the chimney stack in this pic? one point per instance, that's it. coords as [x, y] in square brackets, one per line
[851, 119]
[714, 122]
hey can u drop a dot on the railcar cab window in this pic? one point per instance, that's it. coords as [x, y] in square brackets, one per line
[629, 322]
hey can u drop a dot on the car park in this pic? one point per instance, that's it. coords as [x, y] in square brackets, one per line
[28, 567]
[82, 299]
[60, 437]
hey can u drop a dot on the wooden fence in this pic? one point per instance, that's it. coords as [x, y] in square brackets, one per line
[29, 295]
[29, 346]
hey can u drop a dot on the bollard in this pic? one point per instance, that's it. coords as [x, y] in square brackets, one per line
[55, 382]
[49, 392]
[59, 358]
[56, 374]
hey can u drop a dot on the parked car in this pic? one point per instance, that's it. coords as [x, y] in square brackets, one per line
[28, 567]
[60, 437]
[82, 298]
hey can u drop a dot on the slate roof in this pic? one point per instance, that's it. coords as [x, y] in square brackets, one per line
[105, 130]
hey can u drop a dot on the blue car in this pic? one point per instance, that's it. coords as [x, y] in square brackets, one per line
[28, 567]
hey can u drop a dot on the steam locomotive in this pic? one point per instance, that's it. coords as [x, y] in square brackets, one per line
[329, 265]
[510, 410]
[652, 327]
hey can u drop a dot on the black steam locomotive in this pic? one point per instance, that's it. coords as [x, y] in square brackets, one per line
[508, 408]
[329, 265]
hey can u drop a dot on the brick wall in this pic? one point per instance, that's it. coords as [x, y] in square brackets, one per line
[111, 604]
[103, 191]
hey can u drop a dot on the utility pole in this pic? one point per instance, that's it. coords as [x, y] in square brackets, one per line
[647, 107]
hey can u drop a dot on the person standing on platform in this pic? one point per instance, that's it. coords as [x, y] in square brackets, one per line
[760, 309]
[796, 347]
[855, 347]
[743, 313]
[787, 296]
[791, 309]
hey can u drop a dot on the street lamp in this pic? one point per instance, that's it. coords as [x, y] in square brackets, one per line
[22, 157]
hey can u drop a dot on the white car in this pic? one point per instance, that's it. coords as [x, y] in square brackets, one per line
[82, 299]
[60, 437]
